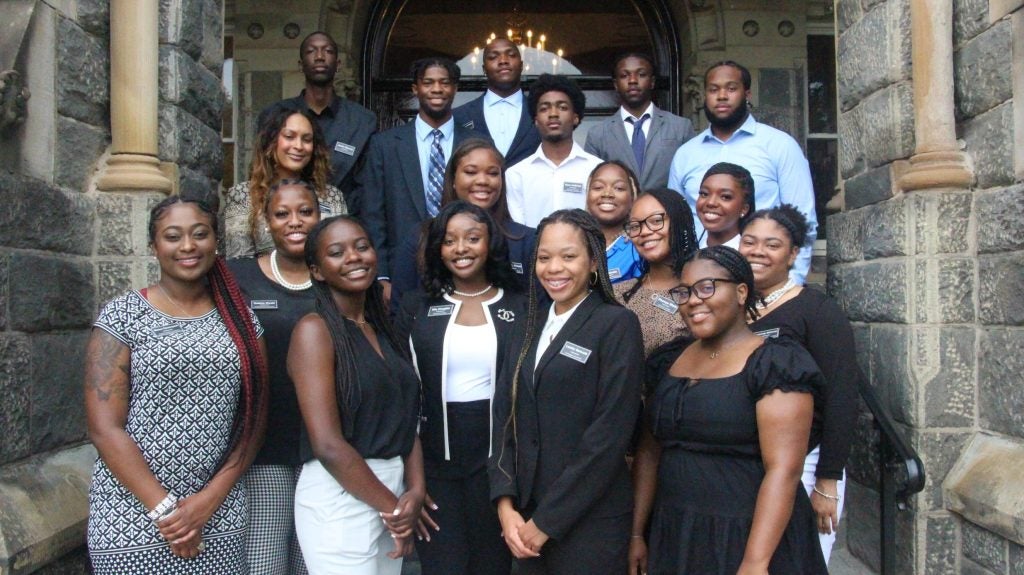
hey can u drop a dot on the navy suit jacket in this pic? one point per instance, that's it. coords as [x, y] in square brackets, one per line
[389, 197]
[527, 140]
[667, 132]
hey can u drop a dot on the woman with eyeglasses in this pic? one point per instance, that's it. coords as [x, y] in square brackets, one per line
[724, 439]
[660, 225]
[771, 241]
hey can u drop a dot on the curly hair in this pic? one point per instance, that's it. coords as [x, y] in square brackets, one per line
[263, 171]
[682, 241]
[738, 269]
[556, 83]
[789, 218]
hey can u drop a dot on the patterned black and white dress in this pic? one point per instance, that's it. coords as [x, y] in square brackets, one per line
[185, 381]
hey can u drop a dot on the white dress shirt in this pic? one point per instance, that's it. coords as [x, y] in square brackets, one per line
[628, 118]
[536, 186]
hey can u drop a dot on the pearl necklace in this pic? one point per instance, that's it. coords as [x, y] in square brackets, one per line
[280, 279]
[775, 295]
[473, 294]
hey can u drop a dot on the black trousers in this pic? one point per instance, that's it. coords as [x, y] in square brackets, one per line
[596, 546]
[469, 542]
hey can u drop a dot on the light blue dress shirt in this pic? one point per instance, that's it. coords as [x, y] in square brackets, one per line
[776, 162]
[424, 139]
[502, 116]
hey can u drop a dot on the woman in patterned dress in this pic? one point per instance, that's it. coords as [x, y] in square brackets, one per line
[289, 145]
[175, 396]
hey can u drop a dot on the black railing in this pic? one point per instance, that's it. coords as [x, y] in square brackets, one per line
[901, 475]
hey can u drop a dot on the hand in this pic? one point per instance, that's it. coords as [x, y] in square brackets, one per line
[532, 537]
[188, 519]
[426, 521]
[402, 521]
[826, 510]
[637, 556]
[403, 547]
[511, 521]
[188, 549]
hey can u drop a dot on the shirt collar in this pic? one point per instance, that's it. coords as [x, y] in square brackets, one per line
[749, 127]
[423, 129]
[626, 115]
[538, 156]
[490, 99]
[331, 110]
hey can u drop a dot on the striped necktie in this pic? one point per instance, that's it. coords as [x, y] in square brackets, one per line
[639, 140]
[435, 174]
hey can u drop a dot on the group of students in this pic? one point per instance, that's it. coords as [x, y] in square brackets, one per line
[600, 394]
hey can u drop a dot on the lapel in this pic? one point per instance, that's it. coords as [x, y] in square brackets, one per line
[477, 123]
[619, 135]
[409, 161]
[657, 122]
[579, 317]
[525, 123]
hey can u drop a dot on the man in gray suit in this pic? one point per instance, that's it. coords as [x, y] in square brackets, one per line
[642, 135]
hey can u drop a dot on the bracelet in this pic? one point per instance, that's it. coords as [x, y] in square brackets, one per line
[636, 536]
[164, 508]
[826, 495]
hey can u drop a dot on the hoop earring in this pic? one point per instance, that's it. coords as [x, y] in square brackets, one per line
[594, 278]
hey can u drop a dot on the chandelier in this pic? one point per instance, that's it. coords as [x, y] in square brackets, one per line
[522, 36]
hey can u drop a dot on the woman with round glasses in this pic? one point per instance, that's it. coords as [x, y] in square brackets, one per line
[660, 225]
[724, 437]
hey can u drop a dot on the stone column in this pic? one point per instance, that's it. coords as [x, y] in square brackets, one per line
[937, 162]
[134, 38]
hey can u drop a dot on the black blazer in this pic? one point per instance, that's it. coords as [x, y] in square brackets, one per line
[389, 196]
[526, 141]
[574, 420]
[425, 321]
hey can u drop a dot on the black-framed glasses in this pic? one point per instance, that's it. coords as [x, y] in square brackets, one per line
[703, 289]
[654, 222]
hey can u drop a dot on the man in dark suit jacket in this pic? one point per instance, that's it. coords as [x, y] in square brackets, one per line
[393, 192]
[347, 126]
[501, 112]
[662, 132]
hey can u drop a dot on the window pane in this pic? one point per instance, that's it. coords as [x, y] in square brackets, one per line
[822, 154]
[821, 84]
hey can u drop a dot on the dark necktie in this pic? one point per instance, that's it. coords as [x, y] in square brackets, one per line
[639, 140]
[435, 174]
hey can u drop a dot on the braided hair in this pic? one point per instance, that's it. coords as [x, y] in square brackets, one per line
[436, 277]
[745, 182]
[345, 384]
[237, 318]
[593, 239]
[789, 218]
[288, 183]
[738, 269]
[682, 240]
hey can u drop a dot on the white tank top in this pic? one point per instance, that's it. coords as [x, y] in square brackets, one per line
[471, 353]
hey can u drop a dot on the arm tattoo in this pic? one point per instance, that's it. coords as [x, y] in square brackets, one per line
[108, 375]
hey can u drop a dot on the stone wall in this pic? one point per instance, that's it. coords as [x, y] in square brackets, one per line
[931, 279]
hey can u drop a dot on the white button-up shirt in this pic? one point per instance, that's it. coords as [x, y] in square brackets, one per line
[537, 186]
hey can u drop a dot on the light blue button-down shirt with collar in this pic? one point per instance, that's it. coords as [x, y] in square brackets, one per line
[424, 139]
[776, 162]
[502, 116]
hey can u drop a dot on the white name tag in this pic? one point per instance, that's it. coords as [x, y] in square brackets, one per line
[347, 149]
[573, 351]
[773, 332]
[517, 267]
[166, 330]
[614, 273]
[572, 187]
[438, 310]
[263, 304]
[663, 303]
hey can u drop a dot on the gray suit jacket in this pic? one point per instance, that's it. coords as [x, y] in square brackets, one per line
[608, 141]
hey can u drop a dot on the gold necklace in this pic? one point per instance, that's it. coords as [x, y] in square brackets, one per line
[172, 300]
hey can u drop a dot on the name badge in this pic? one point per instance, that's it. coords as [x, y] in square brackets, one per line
[468, 124]
[572, 187]
[347, 149]
[439, 310]
[517, 267]
[573, 351]
[167, 330]
[263, 304]
[773, 332]
[614, 273]
[663, 303]
[325, 210]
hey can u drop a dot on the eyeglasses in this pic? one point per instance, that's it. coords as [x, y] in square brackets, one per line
[654, 222]
[703, 289]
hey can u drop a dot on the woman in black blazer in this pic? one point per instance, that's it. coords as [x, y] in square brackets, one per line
[565, 412]
[468, 310]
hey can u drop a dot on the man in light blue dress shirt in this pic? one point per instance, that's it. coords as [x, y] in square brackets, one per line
[776, 162]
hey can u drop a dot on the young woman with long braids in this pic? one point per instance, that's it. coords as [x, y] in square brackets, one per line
[771, 241]
[277, 287]
[175, 398]
[660, 225]
[361, 489]
[565, 410]
[469, 311]
[289, 145]
[723, 443]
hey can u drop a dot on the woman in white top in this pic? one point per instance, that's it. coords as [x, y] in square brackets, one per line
[468, 310]
[724, 204]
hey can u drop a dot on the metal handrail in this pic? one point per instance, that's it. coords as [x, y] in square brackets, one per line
[901, 475]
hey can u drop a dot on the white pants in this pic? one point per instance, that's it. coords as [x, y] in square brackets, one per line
[339, 534]
[810, 466]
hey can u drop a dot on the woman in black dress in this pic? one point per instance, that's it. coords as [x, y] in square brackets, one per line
[359, 496]
[771, 241]
[565, 412]
[278, 289]
[724, 441]
[468, 312]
